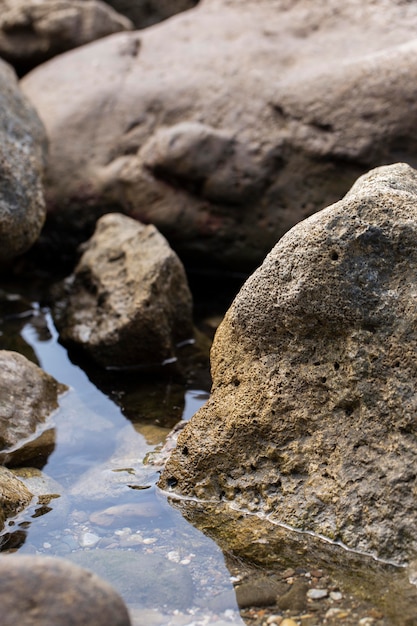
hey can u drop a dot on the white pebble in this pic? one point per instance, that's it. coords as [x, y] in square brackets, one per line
[47, 545]
[336, 596]
[173, 556]
[88, 540]
[150, 540]
[317, 594]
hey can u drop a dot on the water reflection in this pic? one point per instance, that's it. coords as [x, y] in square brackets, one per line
[95, 499]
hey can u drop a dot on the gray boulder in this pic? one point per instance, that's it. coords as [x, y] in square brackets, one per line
[28, 396]
[312, 415]
[22, 150]
[128, 301]
[227, 124]
[146, 12]
[33, 31]
[45, 591]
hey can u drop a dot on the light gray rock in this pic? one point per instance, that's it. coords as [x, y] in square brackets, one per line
[22, 151]
[312, 415]
[45, 591]
[144, 13]
[128, 301]
[14, 495]
[28, 396]
[33, 31]
[227, 124]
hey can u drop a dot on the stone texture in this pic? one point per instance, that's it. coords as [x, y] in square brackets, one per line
[33, 31]
[312, 415]
[22, 149]
[149, 12]
[28, 396]
[14, 495]
[227, 124]
[45, 591]
[128, 301]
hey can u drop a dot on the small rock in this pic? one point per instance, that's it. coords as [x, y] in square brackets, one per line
[88, 540]
[288, 622]
[336, 596]
[317, 594]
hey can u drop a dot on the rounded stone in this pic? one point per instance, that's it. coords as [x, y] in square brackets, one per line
[46, 591]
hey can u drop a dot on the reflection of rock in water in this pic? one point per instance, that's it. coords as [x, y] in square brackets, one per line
[255, 548]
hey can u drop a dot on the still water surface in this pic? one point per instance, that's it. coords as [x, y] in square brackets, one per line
[105, 511]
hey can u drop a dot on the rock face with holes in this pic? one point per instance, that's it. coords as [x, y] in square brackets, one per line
[22, 152]
[164, 125]
[33, 31]
[312, 418]
[146, 13]
[128, 301]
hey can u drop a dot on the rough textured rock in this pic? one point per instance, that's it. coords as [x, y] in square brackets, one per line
[14, 495]
[27, 397]
[22, 148]
[33, 31]
[45, 591]
[312, 416]
[144, 13]
[227, 124]
[128, 301]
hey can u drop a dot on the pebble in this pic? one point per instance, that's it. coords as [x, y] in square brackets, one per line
[88, 540]
[150, 540]
[288, 622]
[317, 594]
[366, 621]
[336, 596]
[274, 619]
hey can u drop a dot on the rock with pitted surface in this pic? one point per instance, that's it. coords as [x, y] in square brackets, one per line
[33, 31]
[46, 591]
[312, 415]
[146, 13]
[28, 396]
[22, 152]
[227, 124]
[128, 301]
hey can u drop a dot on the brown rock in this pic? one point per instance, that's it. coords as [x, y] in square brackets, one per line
[28, 396]
[128, 301]
[14, 496]
[45, 591]
[33, 31]
[227, 124]
[312, 416]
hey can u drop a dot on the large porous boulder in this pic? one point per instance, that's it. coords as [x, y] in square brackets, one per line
[28, 397]
[22, 150]
[128, 301]
[227, 124]
[149, 12]
[14, 495]
[33, 31]
[312, 419]
[46, 591]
